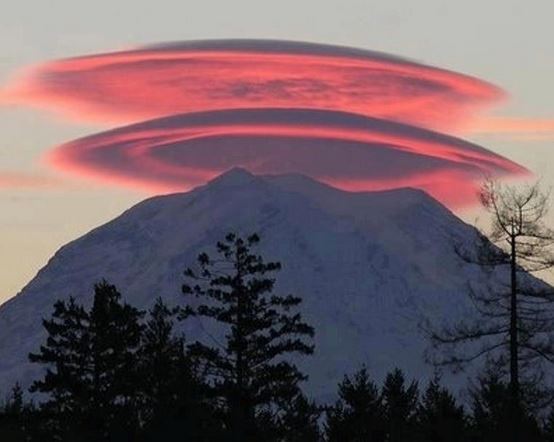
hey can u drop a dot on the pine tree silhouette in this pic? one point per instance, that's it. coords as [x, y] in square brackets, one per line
[15, 417]
[491, 412]
[91, 361]
[250, 370]
[173, 406]
[162, 360]
[357, 416]
[66, 355]
[400, 406]
[439, 417]
[300, 421]
[115, 337]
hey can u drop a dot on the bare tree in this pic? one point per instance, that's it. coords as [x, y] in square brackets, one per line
[514, 324]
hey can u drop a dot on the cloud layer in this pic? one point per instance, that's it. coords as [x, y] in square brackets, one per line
[347, 150]
[356, 119]
[224, 74]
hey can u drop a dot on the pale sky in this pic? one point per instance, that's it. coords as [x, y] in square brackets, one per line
[507, 42]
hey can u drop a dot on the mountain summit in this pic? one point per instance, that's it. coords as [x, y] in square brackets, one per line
[368, 266]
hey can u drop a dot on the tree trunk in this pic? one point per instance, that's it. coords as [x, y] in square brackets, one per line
[514, 346]
[240, 410]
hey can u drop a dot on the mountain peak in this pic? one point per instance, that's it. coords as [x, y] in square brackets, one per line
[234, 177]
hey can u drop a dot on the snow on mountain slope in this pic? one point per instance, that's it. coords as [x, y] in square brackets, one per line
[368, 266]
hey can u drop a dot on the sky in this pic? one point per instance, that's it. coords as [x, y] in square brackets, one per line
[507, 44]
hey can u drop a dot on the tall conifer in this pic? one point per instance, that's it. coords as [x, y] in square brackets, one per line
[251, 369]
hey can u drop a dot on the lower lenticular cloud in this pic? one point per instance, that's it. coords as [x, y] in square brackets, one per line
[197, 76]
[356, 119]
[346, 150]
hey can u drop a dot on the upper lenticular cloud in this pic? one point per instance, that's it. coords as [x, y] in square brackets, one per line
[198, 76]
[349, 151]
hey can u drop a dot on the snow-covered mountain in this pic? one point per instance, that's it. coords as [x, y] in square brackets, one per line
[368, 266]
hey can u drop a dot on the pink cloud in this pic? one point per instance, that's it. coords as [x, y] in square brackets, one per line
[356, 119]
[346, 150]
[162, 80]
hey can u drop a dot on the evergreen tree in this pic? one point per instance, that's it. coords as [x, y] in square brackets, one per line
[172, 405]
[91, 361]
[357, 416]
[250, 371]
[15, 403]
[491, 417]
[300, 421]
[439, 417]
[15, 417]
[162, 361]
[66, 354]
[115, 331]
[399, 406]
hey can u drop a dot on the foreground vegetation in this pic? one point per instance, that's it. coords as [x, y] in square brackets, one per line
[115, 373]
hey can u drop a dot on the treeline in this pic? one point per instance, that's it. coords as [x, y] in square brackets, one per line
[115, 373]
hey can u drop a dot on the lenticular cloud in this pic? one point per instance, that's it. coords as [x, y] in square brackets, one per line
[346, 150]
[210, 75]
[356, 119]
